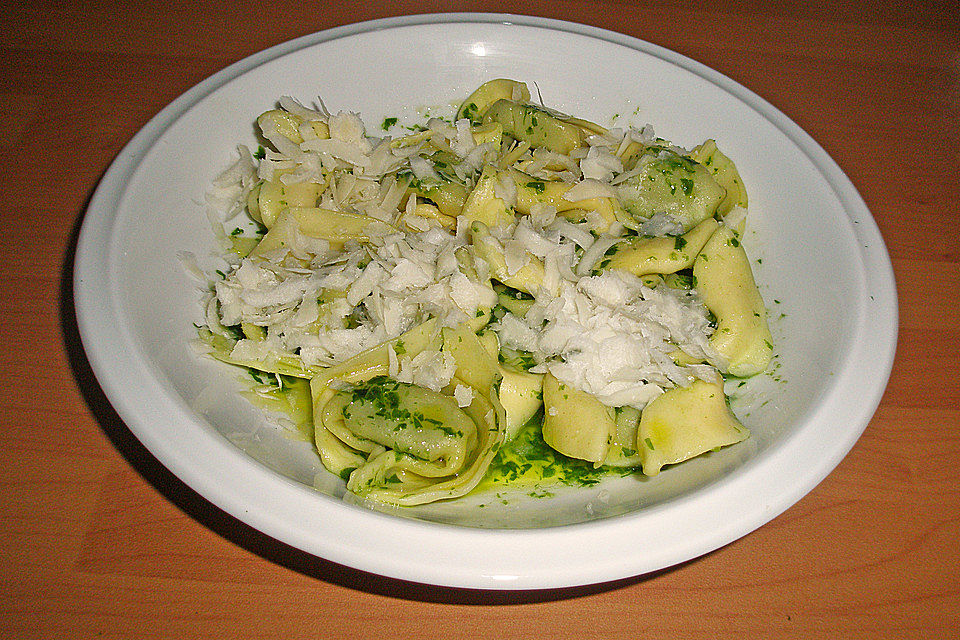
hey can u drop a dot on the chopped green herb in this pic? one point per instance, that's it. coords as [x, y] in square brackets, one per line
[471, 112]
[528, 460]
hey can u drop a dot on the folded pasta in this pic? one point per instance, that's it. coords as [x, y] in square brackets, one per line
[403, 443]
[444, 286]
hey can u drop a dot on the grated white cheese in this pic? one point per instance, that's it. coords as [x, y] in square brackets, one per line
[608, 334]
[661, 224]
[228, 192]
[430, 369]
[407, 278]
[463, 395]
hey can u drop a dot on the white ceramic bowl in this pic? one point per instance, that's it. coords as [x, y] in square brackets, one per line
[825, 275]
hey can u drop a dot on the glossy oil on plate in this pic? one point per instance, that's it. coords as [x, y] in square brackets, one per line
[819, 260]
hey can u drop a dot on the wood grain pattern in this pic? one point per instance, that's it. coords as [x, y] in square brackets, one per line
[97, 539]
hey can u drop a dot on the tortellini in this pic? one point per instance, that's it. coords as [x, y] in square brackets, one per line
[483, 205]
[535, 125]
[293, 224]
[685, 422]
[271, 197]
[661, 255]
[476, 105]
[575, 423]
[725, 173]
[405, 444]
[726, 284]
[511, 268]
[666, 181]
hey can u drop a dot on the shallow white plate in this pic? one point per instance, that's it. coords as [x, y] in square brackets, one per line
[825, 275]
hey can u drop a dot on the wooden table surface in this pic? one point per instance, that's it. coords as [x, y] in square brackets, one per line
[98, 540]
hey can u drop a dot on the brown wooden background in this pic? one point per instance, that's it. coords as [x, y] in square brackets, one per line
[97, 540]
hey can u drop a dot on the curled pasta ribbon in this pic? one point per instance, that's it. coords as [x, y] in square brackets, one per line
[402, 444]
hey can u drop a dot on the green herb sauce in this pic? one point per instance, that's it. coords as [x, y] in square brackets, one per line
[527, 461]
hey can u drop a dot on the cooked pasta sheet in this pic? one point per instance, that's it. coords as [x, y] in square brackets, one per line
[422, 294]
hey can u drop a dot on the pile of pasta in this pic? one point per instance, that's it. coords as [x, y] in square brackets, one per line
[403, 297]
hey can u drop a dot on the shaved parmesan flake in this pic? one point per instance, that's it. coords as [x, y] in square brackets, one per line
[463, 395]
[430, 369]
